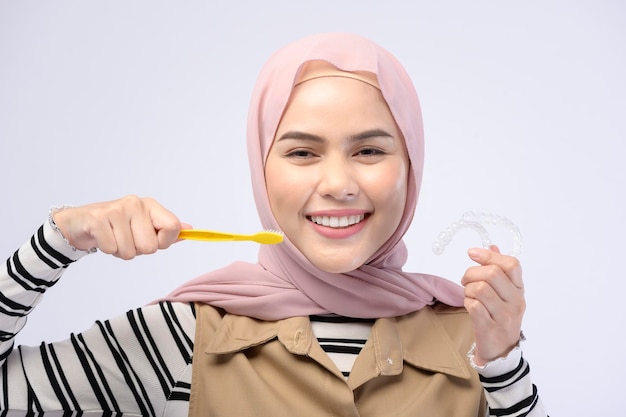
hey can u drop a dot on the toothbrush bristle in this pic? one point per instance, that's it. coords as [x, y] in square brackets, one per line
[273, 236]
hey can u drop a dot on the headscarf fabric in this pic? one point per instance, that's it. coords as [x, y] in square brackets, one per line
[283, 283]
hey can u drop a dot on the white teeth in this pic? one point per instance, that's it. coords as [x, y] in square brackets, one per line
[343, 221]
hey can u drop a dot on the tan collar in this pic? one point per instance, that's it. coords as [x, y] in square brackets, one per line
[418, 339]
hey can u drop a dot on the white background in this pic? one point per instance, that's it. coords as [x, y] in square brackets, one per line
[523, 103]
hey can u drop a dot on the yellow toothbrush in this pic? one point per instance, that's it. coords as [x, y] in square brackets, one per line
[268, 237]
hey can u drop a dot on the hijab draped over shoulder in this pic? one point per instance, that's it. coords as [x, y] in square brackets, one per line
[284, 283]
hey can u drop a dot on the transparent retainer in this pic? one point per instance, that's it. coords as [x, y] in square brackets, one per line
[477, 222]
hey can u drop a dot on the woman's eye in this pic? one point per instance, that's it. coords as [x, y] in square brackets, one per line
[370, 152]
[300, 153]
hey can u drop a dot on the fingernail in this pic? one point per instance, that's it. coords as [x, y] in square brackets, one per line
[474, 253]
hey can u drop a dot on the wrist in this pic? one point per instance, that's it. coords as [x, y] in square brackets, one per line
[56, 222]
[510, 359]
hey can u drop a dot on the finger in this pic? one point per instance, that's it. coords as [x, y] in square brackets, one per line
[126, 247]
[494, 277]
[105, 238]
[144, 235]
[119, 218]
[185, 226]
[166, 224]
[481, 318]
[489, 301]
[507, 303]
[509, 264]
[108, 224]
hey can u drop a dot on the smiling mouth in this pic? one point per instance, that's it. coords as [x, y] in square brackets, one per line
[337, 222]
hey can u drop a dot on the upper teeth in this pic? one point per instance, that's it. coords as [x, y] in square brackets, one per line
[342, 221]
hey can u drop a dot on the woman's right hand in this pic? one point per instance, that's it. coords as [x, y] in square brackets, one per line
[124, 228]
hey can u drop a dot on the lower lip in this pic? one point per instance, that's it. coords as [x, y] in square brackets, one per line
[339, 232]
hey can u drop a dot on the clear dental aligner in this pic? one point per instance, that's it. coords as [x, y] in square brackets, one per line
[477, 222]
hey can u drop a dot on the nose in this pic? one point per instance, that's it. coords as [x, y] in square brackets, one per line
[337, 179]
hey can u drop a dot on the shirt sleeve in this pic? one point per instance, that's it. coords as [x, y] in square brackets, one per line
[27, 275]
[135, 364]
[508, 386]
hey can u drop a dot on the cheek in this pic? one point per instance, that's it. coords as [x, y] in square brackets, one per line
[397, 195]
[389, 184]
[285, 188]
[273, 185]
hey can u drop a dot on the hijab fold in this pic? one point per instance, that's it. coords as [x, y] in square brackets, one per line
[284, 283]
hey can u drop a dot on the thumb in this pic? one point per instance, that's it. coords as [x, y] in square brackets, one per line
[481, 255]
[484, 256]
[184, 226]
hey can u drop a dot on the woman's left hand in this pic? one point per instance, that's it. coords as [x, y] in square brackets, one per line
[494, 298]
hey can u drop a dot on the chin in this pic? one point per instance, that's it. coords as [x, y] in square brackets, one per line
[338, 266]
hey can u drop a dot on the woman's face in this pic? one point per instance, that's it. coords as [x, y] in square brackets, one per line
[337, 172]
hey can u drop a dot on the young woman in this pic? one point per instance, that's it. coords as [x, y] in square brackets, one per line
[327, 322]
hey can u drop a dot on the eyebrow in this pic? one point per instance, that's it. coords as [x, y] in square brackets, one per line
[295, 134]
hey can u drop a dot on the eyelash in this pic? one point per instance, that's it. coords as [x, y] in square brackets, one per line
[370, 152]
[307, 154]
[298, 153]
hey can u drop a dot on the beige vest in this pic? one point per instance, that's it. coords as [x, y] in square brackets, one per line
[413, 365]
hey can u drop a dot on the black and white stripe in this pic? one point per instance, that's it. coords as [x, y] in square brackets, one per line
[53, 258]
[130, 364]
[25, 279]
[521, 409]
[133, 382]
[58, 378]
[342, 338]
[95, 375]
[511, 382]
[492, 384]
[9, 307]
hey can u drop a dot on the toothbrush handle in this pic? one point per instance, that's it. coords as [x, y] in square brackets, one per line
[205, 235]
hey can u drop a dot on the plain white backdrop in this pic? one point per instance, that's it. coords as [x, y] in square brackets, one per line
[524, 108]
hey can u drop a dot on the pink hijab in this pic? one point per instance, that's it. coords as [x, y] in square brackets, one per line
[284, 283]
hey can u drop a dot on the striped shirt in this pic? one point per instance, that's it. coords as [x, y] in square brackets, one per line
[342, 338]
[139, 363]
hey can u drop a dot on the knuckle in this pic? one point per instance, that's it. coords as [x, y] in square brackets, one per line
[107, 250]
[126, 252]
[484, 288]
[493, 271]
[131, 201]
[481, 289]
[471, 274]
[520, 308]
[511, 263]
[470, 290]
[171, 223]
[126, 255]
[166, 243]
[489, 273]
[469, 304]
[474, 308]
[149, 247]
